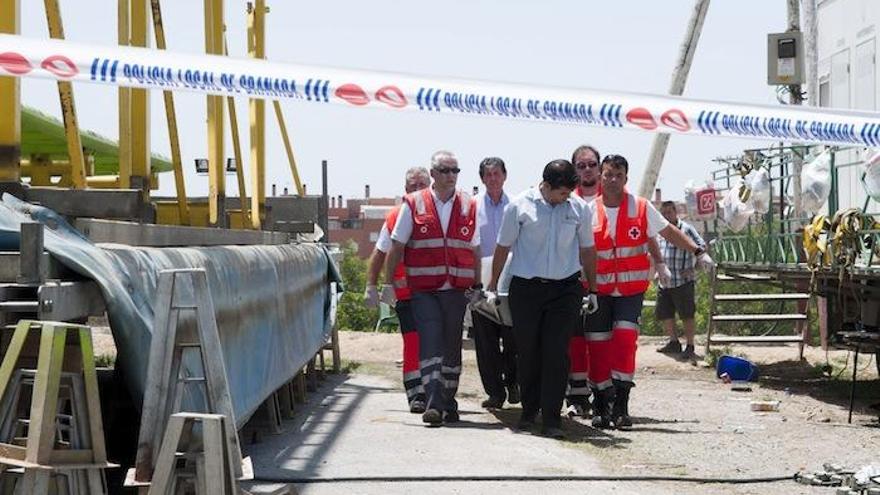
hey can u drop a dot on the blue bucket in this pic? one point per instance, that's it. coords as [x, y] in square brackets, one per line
[738, 369]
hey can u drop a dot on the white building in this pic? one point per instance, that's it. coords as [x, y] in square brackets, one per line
[847, 47]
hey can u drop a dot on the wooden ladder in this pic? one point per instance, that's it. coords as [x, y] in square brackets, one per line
[720, 300]
[180, 292]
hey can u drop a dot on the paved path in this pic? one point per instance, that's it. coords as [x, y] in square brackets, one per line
[358, 426]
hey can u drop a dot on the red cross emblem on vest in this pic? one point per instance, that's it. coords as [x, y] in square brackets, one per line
[634, 233]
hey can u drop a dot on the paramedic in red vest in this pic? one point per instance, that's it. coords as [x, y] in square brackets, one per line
[549, 231]
[436, 234]
[622, 226]
[417, 178]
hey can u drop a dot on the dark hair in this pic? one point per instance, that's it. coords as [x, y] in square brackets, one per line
[492, 161]
[616, 161]
[560, 173]
[669, 203]
[582, 148]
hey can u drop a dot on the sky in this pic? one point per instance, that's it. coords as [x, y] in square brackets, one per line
[622, 45]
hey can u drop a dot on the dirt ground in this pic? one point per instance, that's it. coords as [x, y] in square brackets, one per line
[689, 423]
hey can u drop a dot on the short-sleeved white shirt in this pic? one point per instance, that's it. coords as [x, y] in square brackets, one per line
[545, 239]
[383, 243]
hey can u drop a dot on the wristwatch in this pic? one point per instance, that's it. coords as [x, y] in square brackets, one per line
[699, 251]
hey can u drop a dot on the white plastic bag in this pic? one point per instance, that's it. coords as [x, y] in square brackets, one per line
[871, 180]
[816, 182]
[758, 181]
[691, 188]
[734, 211]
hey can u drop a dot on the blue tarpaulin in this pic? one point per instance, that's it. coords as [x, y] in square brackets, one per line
[272, 302]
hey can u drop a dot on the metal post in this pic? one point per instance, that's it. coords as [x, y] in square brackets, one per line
[216, 150]
[140, 102]
[794, 25]
[171, 117]
[68, 106]
[324, 211]
[10, 102]
[30, 257]
[123, 10]
[239, 160]
[257, 113]
[676, 87]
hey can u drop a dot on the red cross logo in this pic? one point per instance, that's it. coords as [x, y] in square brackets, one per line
[635, 233]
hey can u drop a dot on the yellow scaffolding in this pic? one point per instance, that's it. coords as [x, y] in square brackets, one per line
[139, 109]
[171, 117]
[216, 158]
[123, 11]
[68, 106]
[10, 102]
[257, 110]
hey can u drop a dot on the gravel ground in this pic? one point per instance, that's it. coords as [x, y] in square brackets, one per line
[689, 423]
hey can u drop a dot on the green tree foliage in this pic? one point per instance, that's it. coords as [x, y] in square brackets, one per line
[351, 313]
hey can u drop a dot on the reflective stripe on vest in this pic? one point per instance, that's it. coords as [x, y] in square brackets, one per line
[398, 282]
[431, 258]
[622, 264]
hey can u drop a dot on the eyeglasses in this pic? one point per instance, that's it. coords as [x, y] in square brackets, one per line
[448, 170]
[586, 165]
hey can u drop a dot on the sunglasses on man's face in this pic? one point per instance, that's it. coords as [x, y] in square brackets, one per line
[448, 170]
[586, 165]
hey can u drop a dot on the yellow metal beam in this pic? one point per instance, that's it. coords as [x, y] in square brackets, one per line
[123, 11]
[289, 148]
[139, 35]
[236, 147]
[257, 111]
[216, 158]
[10, 102]
[171, 117]
[68, 106]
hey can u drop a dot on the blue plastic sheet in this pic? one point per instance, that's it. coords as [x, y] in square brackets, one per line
[272, 302]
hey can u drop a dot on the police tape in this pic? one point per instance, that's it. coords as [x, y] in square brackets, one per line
[212, 74]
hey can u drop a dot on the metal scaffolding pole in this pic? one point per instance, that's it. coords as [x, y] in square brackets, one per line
[139, 110]
[68, 106]
[239, 159]
[123, 11]
[216, 150]
[257, 113]
[288, 147]
[10, 102]
[171, 117]
[676, 87]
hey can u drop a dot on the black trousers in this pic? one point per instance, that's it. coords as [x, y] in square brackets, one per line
[545, 315]
[496, 355]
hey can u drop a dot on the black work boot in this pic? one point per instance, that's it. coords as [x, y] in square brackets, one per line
[620, 411]
[602, 400]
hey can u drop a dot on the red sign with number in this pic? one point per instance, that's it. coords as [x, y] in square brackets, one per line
[705, 202]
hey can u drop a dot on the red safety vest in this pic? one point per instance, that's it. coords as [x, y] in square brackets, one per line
[432, 259]
[622, 264]
[401, 291]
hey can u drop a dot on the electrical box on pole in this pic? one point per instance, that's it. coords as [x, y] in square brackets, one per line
[785, 58]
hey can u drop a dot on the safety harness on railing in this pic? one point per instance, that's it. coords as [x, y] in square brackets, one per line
[848, 240]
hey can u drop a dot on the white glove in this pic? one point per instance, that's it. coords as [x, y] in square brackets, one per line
[388, 297]
[706, 262]
[371, 296]
[663, 274]
[590, 304]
